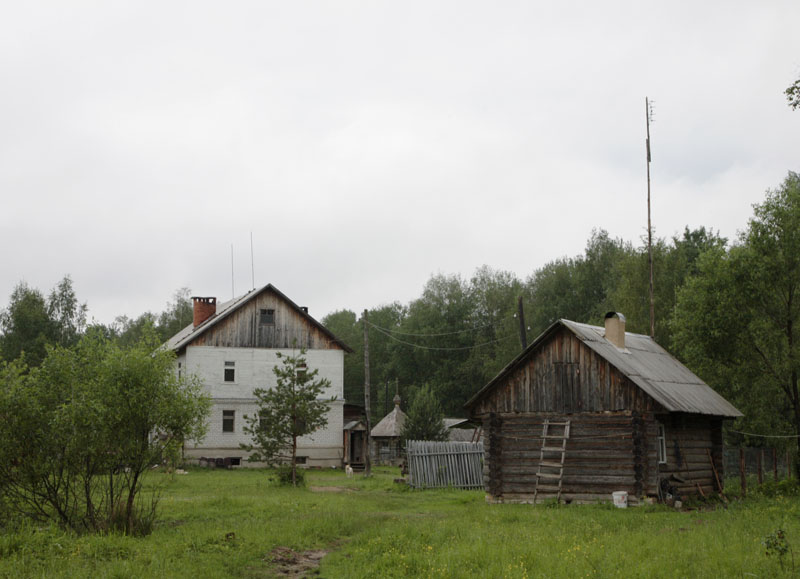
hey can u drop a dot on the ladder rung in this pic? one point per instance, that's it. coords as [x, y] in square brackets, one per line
[551, 464]
[549, 488]
[548, 475]
[552, 449]
[558, 423]
[558, 436]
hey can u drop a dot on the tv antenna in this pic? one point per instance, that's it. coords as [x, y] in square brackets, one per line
[648, 105]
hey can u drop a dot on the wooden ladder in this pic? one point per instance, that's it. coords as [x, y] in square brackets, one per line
[550, 473]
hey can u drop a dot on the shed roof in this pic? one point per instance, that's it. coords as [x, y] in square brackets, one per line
[645, 363]
[190, 332]
[391, 425]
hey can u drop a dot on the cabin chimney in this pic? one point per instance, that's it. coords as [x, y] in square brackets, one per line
[203, 309]
[615, 329]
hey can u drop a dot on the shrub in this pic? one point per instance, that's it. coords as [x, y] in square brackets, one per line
[283, 476]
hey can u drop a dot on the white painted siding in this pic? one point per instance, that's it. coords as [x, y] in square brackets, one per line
[253, 369]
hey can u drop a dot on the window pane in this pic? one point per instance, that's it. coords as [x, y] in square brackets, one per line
[266, 317]
[228, 420]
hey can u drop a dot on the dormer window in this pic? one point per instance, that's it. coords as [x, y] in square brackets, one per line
[266, 317]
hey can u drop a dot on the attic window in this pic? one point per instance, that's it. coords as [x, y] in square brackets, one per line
[662, 444]
[230, 371]
[301, 370]
[266, 317]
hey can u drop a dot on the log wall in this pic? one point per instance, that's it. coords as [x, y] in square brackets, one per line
[606, 452]
[689, 440]
[242, 329]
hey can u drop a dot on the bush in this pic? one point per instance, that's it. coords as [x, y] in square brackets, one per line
[283, 476]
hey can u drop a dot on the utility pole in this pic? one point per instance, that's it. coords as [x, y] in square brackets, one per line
[367, 462]
[523, 338]
[649, 114]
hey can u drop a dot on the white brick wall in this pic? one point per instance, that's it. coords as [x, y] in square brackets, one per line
[253, 369]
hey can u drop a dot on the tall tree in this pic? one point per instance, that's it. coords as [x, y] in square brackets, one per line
[736, 322]
[285, 413]
[68, 315]
[425, 418]
[26, 326]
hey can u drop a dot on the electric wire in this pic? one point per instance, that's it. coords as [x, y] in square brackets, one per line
[385, 330]
[442, 349]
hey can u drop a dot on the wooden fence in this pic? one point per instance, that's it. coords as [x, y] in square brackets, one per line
[445, 464]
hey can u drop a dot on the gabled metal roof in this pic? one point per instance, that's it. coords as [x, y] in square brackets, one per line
[645, 363]
[189, 333]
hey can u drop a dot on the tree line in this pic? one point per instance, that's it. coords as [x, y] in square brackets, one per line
[726, 308]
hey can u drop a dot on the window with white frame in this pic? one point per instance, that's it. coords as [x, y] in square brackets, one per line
[662, 444]
[230, 372]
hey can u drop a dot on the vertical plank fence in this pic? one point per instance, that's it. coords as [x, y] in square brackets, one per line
[445, 464]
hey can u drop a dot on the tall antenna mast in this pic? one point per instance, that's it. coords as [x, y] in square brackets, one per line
[233, 292]
[252, 267]
[649, 116]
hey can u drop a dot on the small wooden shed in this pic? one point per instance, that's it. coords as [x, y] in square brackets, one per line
[586, 411]
[385, 437]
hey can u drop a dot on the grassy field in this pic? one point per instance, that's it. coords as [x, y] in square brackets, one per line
[217, 523]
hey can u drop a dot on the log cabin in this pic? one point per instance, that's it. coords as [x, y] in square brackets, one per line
[233, 347]
[586, 411]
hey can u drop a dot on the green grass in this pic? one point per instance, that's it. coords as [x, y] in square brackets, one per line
[216, 523]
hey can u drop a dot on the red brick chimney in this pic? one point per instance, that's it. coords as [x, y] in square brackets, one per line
[204, 308]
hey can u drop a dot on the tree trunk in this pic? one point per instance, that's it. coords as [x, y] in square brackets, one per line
[294, 460]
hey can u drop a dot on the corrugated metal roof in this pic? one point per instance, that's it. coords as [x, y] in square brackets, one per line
[189, 333]
[391, 425]
[645, 363]
[656, 371]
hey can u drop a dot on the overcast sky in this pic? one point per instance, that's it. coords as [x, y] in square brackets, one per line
[368, 145]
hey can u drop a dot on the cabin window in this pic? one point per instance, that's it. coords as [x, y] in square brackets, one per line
[662, 444]
[263, 421]
[266, 317]
[230, 371]
[301, 370]
[180, 370]
[301, 459]
[228, 420]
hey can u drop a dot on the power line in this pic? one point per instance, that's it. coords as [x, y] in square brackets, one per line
[388, 330]
[461, 348]
[766, 435]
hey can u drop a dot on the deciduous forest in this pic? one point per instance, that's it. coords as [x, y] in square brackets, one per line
[728, 308]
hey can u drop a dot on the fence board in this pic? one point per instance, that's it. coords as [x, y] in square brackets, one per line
[445, 464]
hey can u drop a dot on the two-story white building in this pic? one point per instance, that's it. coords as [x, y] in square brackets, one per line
[233, 348]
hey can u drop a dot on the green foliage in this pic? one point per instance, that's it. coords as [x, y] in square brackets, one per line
[79, 433]
[218, 523]
[424, 420]
[173, 319]
[776, 545]
[793, 94]
[290, 410]
[736, 322]
[285, 475]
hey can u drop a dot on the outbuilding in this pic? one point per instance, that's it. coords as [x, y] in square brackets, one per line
[586, 411]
